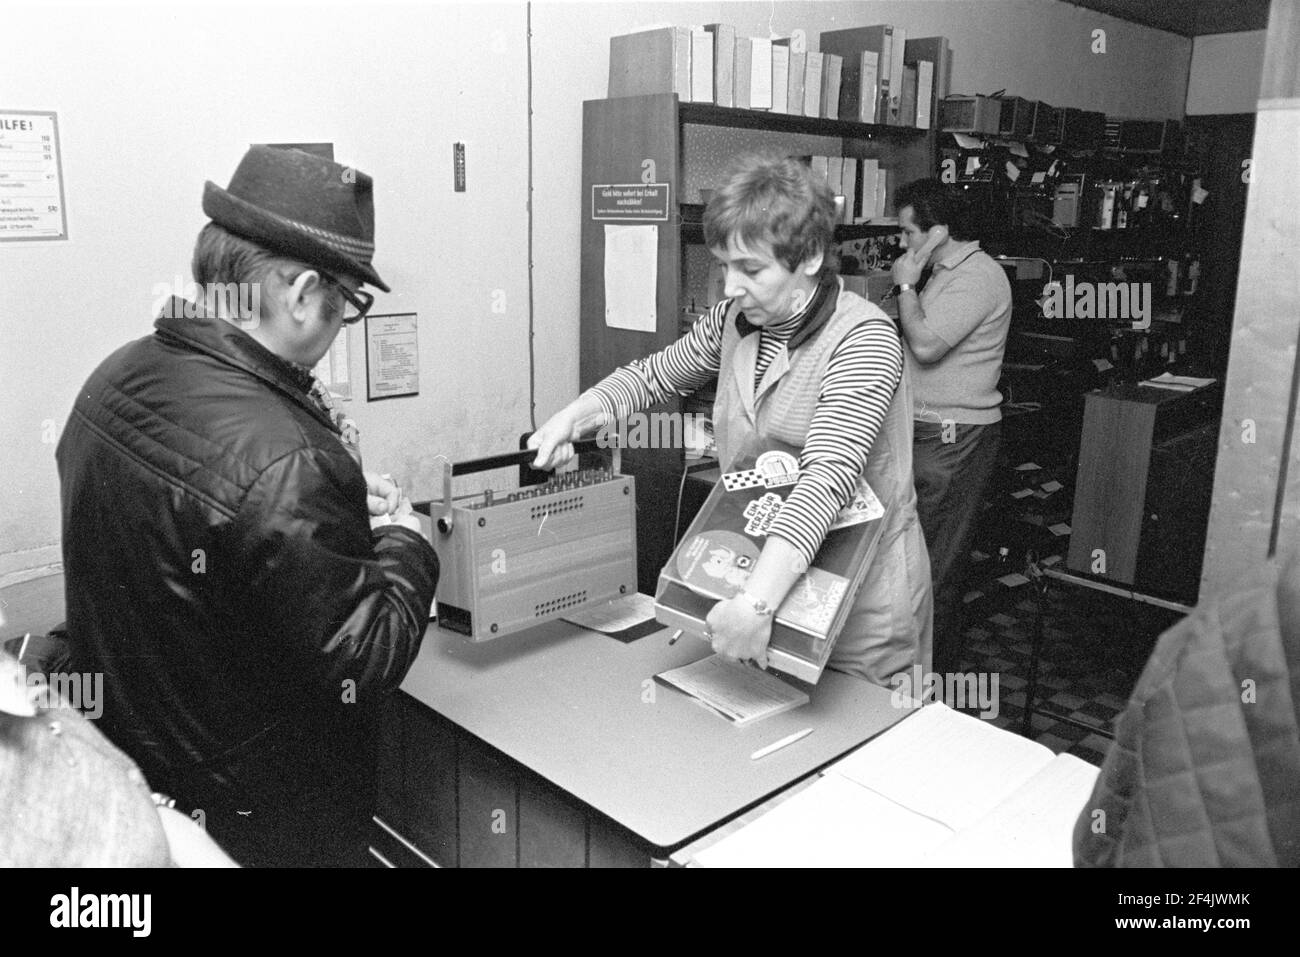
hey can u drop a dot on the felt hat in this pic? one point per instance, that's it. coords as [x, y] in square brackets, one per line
[302, 206]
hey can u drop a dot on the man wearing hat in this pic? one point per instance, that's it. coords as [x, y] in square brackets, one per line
[222, 571]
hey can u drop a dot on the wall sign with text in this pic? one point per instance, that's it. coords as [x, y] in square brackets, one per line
[392, 356]
[635, 201]
[31, 177]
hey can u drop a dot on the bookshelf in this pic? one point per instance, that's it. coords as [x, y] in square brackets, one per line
[656, 138]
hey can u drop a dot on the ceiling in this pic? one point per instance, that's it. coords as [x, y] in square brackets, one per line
[1190, 18]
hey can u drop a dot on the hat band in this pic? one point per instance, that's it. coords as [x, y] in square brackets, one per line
[347, 245]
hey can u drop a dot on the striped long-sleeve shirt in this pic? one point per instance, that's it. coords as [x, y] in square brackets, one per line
[862, 373]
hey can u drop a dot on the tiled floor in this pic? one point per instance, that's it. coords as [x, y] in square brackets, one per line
[1094, 648]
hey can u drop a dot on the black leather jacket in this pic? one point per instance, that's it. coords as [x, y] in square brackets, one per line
[221, 571]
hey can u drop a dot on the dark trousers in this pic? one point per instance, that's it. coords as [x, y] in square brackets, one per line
[952, 468]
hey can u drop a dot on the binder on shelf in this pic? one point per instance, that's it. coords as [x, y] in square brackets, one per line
[832, 75]
[851, 44]
[924, 94]
[812, 84]
[867, 197]
[653, 61]
[798, 73]
[835, 174]
[724, 59]
[742, 72]
[859, 87]
[897, 50]
[907, 104]
[718, 551]
[780, 79]
[760, 73]
[936, 52]
[850, 181]
[702, 77]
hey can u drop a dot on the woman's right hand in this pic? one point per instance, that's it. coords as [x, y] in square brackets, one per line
[554, 440]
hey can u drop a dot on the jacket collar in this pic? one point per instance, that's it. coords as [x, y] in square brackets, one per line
[817, 315]
[227, 343]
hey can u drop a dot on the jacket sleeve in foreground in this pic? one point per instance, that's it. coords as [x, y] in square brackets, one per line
[338, 602]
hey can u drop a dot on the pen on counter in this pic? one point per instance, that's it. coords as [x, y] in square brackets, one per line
[778, 745]
[677, 634]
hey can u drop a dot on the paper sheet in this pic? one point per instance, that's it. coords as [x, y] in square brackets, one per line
[968, 142]
[1032, 828]
[832, 823]
[989, 763]
[631, 275]
[617, 615]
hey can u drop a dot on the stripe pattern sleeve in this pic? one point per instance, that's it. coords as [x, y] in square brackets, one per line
[688, 364]
[862, 374]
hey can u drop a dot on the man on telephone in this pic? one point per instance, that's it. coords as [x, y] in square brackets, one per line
[954, 334]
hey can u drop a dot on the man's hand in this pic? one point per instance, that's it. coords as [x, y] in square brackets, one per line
[382, 494]
[907, 268]
[739, 632]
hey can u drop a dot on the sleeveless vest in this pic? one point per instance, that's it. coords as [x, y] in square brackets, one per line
[889, 629]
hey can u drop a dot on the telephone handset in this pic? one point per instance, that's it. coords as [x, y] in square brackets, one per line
[935, 236]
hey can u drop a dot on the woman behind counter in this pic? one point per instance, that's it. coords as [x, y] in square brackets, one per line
[803, 361]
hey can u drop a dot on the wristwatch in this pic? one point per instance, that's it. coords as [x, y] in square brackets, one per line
[904, 287]
[761, 607]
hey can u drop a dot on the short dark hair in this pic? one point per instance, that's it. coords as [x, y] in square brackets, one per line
[933, 203]
[775, 199]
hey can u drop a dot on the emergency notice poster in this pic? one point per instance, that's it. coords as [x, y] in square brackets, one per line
[392, 356]
[31, 177]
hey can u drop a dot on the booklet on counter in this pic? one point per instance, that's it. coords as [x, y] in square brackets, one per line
[740, 693]
[940, 788]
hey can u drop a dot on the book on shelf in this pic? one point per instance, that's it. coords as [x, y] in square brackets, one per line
[702, 76]
[652, 61]
[812, 84]
[780, 79]
[740, 693]
[883, 194]
[851, 44]
[714, 558]
[939, 788]
[832, 74]
[724, 58]
[742, 72]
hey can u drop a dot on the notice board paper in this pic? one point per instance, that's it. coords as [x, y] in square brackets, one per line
[631, 276]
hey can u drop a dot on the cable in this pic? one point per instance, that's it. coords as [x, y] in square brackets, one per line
[532, 365]
[681, 487]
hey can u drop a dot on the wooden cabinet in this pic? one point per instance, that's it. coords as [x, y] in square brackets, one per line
[687, 147]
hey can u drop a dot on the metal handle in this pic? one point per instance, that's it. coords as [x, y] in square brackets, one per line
[521, 458]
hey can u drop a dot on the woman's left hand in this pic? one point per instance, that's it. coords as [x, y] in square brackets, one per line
[739, 632]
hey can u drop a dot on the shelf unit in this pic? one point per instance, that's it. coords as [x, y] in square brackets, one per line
[657, 138]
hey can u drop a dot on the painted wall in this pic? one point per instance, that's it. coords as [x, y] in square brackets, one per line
[393, 86]
[153, 101]
[1225, 73]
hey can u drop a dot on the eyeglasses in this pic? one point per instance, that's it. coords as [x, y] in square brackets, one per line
[357, 303]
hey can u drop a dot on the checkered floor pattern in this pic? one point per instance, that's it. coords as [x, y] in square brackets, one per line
[1094, 648]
